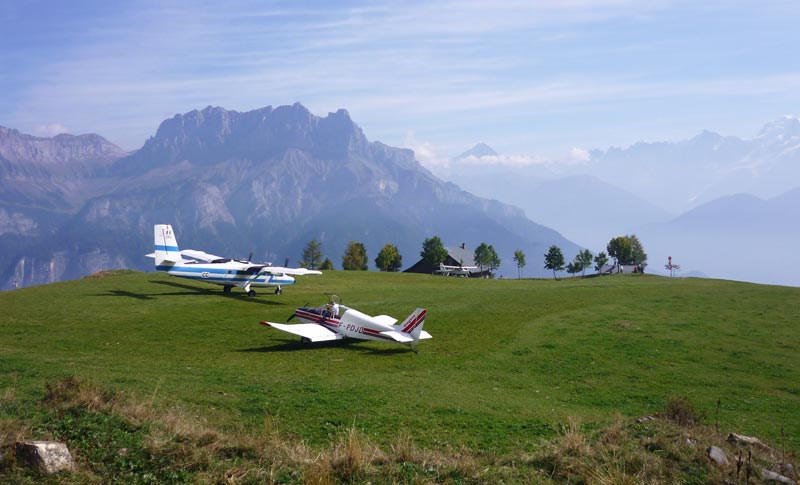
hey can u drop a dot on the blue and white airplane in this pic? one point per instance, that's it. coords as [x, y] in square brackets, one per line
[216, 269]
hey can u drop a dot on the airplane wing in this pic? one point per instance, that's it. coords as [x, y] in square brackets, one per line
[311, 331]
[278, 270]
[200, 255]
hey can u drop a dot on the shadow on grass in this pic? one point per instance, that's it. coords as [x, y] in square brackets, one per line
[349, 344]
[193, 291]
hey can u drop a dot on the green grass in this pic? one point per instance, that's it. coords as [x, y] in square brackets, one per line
[510, 360]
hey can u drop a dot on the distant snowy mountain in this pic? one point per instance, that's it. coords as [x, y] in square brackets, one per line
[681, 175]
[734, 194]
[479, 150]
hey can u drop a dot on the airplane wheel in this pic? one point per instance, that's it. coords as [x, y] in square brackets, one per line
[251, 293]
[226, 288]
[278, 291]
[305, 340]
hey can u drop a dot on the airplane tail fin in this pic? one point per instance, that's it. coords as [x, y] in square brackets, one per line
[167, 251]
[413, 325]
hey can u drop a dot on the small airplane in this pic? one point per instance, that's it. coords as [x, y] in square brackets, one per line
[335, 321]
[461, 271]
[216, 269]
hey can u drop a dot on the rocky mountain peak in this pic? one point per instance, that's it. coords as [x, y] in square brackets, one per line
[205, 136]
[59, 150]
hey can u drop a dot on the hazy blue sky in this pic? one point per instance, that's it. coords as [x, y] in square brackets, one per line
[527, 77]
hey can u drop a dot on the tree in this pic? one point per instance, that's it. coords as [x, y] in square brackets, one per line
[585, 257]
[574, 267]
[327, 265]
[638, 256]
[486, 257]
[554, 260]
[619, 248]
[481, 256]
[355, 257]
[433, 251]
[519, 258]
[627, 250]
[389, 258]
[599, 261]
[494, 259]
[312, 255]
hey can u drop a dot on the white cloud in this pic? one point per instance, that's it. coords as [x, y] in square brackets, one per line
[425, 152]
[506, 160]
[578, 155]
[52, 129]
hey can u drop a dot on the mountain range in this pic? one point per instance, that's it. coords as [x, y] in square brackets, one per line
[715, 203]
[265, 182]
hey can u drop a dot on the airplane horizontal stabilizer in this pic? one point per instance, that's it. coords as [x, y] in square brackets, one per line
[398, 336]
[423, 335]
[384, 320]
[311, 331]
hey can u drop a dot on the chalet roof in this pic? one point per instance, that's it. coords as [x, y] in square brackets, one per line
[461, 256]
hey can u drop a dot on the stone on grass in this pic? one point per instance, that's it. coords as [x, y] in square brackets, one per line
[717, 455]
[46, 456]
[748, 440]
[770, 476]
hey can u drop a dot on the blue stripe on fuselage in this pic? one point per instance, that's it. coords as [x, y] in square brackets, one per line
[219, 275]
[160, 247]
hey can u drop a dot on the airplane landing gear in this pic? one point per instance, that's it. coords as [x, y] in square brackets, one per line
[278, 290]
[251, 293]
[227, 288]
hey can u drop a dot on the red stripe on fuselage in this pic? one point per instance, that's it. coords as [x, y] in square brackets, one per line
[317, 318]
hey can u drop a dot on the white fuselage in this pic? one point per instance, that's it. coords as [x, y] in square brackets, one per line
[352, 323]
[229, 273]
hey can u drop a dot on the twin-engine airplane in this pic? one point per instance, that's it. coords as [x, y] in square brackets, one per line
[325, 323]
[216, 269]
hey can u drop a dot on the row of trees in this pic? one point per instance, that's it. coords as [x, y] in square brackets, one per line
[389, 258]
[354, 258]
[626, 250]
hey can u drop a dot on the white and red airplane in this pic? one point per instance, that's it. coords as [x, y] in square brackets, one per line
[335, 321]
[216, 269]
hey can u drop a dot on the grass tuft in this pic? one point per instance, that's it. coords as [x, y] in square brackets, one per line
[682, 411]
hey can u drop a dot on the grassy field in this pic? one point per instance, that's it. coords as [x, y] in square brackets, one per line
[510, 360]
